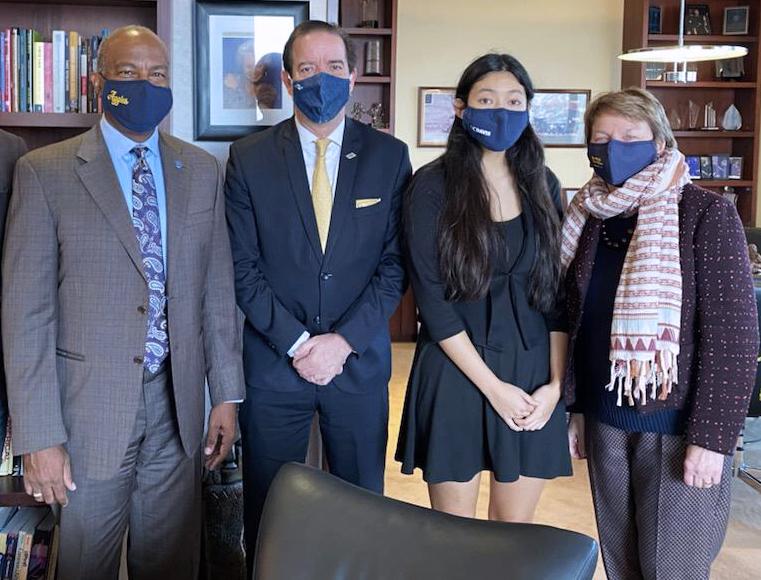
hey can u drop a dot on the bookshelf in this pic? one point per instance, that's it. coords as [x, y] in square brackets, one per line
[743, 93]
[88, 18]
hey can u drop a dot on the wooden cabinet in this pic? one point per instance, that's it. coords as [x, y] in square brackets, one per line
[675, 97]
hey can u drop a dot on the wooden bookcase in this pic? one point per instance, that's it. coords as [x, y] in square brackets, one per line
[743, 93]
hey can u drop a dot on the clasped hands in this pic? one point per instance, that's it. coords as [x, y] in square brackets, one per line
[321, 358]
[521, 411]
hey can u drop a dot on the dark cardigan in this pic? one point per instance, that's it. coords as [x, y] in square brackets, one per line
[719, 330]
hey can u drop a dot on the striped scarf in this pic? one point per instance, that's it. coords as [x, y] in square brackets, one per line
[644, 339]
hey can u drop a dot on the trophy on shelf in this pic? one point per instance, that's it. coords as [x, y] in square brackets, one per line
[732, 120]
[373, 57]
[709, 118]
[369, 14]
[674, 120]
[375, 111]
[694, 115]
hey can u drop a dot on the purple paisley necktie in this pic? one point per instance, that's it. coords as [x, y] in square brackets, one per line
[145, 219]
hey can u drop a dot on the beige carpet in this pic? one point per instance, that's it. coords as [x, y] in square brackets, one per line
[567, 503]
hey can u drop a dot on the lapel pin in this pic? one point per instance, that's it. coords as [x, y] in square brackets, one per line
[178, 164]
[351, 155]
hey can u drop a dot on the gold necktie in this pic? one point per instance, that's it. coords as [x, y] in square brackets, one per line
[322, 193]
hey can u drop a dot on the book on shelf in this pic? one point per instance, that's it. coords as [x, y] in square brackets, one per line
[28, 531]
[44, 75]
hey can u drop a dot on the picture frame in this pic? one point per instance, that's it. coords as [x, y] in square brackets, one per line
[697, 19]
[720, 166]
[693, 162]
[654, 20]
[706, 167]
[735, 168]
[567, 194]
[237, 51]
[557, 116]
[435, 115]
[736, 20]
[730, 68]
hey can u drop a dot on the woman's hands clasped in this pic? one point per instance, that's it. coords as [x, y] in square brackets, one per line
[511, 403]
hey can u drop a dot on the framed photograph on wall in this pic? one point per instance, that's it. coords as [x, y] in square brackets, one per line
[557, 116]
[238, 48]
[736, 19]
[435, 115]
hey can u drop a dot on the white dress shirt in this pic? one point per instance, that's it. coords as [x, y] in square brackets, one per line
[332, 160]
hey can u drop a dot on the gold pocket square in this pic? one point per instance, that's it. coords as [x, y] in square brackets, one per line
[360, 203]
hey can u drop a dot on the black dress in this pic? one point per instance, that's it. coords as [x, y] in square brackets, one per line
[449, 429]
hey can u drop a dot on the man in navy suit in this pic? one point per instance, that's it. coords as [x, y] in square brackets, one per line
[313, 209]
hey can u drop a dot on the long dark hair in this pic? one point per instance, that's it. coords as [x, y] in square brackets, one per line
[468, 236]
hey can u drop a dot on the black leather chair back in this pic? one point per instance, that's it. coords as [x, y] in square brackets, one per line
[318, 527]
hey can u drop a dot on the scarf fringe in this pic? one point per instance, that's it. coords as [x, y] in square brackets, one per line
[631, 378]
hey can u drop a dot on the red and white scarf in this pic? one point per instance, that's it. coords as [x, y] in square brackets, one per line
[644, 339]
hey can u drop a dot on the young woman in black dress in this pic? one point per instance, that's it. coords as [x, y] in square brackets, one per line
[482, 231]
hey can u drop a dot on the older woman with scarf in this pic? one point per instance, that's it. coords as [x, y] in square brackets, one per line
[663, 345]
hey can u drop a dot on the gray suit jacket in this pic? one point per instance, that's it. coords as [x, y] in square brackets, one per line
[75, 297]
[11, 148]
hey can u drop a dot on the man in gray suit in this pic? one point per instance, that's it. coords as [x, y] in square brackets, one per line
[118, 302]
[11, 148]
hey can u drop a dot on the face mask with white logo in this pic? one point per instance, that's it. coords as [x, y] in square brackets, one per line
[495, 129]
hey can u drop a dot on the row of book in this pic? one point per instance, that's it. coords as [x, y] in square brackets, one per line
[28, 543]
[48, 76]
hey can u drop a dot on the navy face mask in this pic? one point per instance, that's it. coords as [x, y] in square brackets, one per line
[138, 106]
[495, 129]
[321, 96]
[617, 161]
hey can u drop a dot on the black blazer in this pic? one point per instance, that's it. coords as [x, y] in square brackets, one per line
[284, 283]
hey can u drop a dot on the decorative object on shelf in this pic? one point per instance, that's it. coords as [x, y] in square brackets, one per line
[675, 121]
[730, 194]
[435, 115]
[566, 195]
[755, 260]
[730, 68]
[654, 20]
[376, 116]
[370, 15]
[238, 58]
[736, 20]
[693, 162]
[706, 170]
[681, 76]
[654, 71]
[709, 118]
[732, 120]
[697, 20]
[557, 116]
[720, 166]
[693, 114]
[735, 168]
[373, 57]
[375, 111]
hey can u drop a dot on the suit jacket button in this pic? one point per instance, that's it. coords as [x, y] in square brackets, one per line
[141, 309]
[138, 360]
[326, 276]
[317, 320]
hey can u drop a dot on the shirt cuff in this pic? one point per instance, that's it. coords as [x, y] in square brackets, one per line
[301, 340]
[236, 401]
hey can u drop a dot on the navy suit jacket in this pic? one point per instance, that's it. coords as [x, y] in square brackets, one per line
[284, 283]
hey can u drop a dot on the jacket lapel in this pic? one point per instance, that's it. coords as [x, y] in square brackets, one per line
[99, 178]
[294, 160]
[177, 186]
[347, 172]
